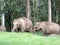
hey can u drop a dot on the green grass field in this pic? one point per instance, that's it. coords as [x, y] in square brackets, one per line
[9, 38]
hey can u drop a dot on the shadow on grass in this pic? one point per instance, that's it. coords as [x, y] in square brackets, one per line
[40, 33]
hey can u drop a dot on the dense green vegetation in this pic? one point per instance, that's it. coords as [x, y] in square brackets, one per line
[39, 10]
[9, 38]
[13, 9]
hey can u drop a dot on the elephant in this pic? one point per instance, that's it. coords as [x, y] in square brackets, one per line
[2, 28]
[47, 27]
[23, 23]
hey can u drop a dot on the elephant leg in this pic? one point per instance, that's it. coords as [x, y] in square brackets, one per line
[30, 30]
[14, 28]
[22, 30]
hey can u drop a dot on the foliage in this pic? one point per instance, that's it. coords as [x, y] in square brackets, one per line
[17, 8]
[13, 9]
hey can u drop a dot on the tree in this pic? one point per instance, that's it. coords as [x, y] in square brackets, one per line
[2, 12]
[49, 11]
[36, 10]
[28, 10]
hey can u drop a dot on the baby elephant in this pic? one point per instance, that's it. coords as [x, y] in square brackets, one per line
[2, 28]
[47, 27]
[23, 23]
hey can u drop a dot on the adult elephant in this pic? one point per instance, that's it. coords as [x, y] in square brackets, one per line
[23, 23]
[47, 27]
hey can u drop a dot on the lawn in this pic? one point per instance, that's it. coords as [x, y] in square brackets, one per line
[13, 38]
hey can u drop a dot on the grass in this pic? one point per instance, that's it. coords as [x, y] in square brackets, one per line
[9, 38]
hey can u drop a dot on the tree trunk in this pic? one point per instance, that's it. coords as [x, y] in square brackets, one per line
[34, 11]
[56, 16]
[3, 19]
[3, 16]
[49, 11]
[28, 11]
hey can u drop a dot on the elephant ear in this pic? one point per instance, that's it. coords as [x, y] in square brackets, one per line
[15, 20]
